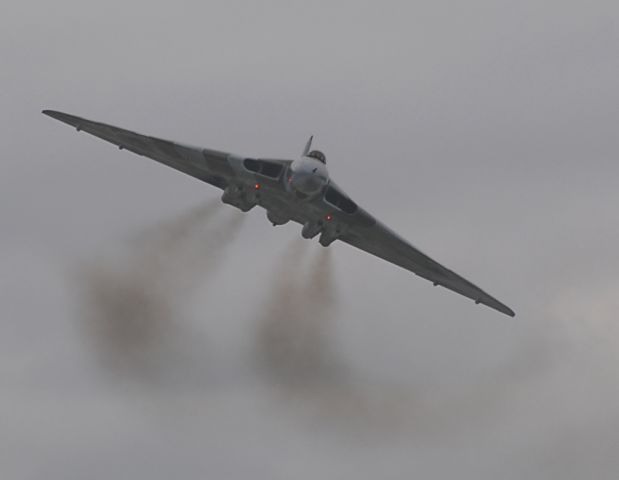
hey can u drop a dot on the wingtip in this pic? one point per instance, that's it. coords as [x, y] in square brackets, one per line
[500, 307]
[63, 117]
[50, 113]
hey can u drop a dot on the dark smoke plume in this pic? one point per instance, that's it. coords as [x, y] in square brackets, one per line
[298, 352]
[132, 303]
[297, 348]
[294, 336]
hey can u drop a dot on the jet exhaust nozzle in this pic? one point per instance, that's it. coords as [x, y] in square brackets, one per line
[327, 237]
[311, 229]
[277, 219]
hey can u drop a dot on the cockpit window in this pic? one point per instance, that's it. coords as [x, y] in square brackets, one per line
[318, 155]
[263, 167]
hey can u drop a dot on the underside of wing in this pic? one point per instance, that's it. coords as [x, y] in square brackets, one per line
[210, 166]
[382, 242]
[348, 222]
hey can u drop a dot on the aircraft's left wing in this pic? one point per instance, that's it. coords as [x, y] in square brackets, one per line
[210, 166]
[361, 230]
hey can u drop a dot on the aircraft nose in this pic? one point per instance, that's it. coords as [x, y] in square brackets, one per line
[307, 183]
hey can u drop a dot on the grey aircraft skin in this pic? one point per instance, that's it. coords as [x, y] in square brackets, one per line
[298, 190]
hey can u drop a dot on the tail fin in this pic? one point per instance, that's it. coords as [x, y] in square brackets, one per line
[308, 145]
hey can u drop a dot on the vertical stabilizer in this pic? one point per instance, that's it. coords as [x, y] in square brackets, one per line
[308, 145]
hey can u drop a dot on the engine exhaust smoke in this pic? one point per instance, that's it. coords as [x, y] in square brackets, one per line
[294, 337]
[132, 303]
[297, 350]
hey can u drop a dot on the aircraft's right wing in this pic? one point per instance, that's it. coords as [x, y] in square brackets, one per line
[210, 166]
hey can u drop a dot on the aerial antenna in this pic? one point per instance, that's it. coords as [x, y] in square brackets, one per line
[308, 145]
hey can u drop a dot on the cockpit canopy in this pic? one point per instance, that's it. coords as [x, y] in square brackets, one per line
[318, 155]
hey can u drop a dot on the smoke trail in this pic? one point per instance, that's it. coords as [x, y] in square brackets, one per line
[322, 289]
[294, 337]
[297, 352]
[132, 303]
[272, 346]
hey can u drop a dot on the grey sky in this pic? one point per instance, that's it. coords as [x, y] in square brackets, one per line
[485, 132]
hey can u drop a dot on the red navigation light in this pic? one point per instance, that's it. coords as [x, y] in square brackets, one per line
[257, 186]
[329, 217]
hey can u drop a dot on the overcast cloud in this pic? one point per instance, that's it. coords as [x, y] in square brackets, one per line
[485, 132]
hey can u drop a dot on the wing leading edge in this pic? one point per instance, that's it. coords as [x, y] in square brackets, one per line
[380, 241]
[210, 166]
